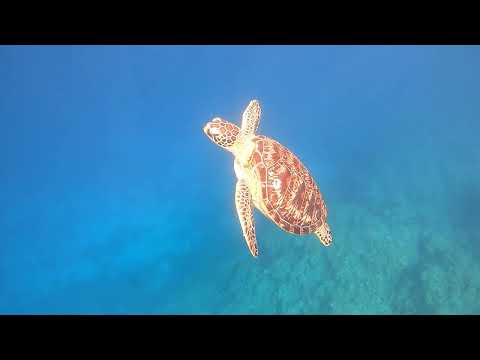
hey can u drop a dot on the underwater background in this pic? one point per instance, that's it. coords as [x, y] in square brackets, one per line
[113, 200]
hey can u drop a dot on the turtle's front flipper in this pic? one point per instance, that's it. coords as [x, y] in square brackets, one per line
[243, 201]
[251, 118]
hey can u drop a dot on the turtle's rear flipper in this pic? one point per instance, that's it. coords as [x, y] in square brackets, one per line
[324, 234]
[243, 202]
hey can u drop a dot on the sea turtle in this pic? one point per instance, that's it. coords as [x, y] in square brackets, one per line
[271, 178]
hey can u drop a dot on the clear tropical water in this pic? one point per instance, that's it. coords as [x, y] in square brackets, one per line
[113, 201]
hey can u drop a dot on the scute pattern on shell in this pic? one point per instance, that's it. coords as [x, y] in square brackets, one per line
[290, 195]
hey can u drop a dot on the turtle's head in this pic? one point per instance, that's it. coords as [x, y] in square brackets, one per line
[222, 133]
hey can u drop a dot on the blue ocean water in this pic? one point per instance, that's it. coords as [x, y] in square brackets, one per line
[113, 200]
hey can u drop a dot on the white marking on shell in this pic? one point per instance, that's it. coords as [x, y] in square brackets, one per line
[277, 183]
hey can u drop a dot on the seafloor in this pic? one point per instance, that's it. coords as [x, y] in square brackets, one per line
[397, 251]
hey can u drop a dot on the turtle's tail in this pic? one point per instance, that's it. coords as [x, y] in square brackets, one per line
[324, 234]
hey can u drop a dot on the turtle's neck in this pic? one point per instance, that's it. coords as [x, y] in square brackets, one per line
[243, 148]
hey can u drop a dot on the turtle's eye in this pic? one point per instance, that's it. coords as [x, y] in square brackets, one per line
[215, 131]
